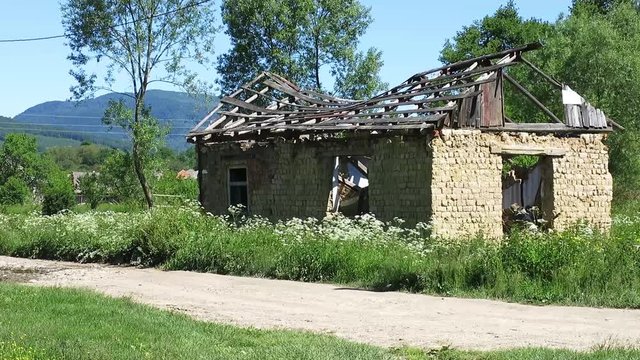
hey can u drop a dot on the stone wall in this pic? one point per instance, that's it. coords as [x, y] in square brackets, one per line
[400, 178]
[287, 179]
[467, 186]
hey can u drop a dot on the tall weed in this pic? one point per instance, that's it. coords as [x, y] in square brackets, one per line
[577, 266]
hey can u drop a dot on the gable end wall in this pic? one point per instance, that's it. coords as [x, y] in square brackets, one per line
[467, 186]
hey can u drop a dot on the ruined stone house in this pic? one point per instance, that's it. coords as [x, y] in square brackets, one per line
[431, 149]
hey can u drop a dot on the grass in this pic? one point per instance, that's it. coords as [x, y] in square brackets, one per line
[53, 323]
[70, 324]
[575, 267]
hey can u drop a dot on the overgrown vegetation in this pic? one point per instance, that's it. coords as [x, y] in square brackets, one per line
[64, 324]
[48, 323]
[594, 49]
[577, 266]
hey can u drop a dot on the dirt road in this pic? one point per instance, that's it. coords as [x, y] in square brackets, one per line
[386, 319]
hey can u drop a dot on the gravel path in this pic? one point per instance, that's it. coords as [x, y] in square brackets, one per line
[385, 319]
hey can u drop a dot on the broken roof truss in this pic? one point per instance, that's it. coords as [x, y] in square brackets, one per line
[466, 94]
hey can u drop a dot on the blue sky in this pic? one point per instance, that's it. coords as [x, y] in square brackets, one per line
[34, 72]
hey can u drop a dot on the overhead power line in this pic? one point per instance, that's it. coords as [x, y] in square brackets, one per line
[31, 39]
[196, 118]
[20, 123]
[44, 131]
[127, 23]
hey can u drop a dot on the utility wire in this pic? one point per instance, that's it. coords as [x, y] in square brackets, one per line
[20, 123]
[196, 118]
[44, 131]
[31, 39]
[126, 23]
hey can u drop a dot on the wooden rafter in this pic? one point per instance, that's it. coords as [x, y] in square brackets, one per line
[271, 106]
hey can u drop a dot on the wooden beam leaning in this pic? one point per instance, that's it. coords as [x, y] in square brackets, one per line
[533, 99]
[551, 80]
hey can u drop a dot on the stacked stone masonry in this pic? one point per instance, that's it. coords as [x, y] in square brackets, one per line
[466, 185]
[453, 180]
[287, 179]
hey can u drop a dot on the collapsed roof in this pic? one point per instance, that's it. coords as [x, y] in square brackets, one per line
[466, 94]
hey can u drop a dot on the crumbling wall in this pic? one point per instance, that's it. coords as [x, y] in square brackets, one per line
[466, 186]
[287, 179]
[400, 178]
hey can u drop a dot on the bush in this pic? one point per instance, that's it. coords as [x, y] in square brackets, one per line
[57, 195]
[93, 190]
[169, 184]
[14, 191]
[576, 266]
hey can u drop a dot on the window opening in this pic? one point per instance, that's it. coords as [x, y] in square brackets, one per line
[238, 189]
[350, 192]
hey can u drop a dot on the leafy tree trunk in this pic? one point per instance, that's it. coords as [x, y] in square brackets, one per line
[139, 169]
[136, 37]
[317, 65]
[138, 164]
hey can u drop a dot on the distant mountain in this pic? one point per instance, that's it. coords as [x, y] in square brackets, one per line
[82, 121]
[8, 125]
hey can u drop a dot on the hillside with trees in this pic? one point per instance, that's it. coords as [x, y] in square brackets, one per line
[68, 123]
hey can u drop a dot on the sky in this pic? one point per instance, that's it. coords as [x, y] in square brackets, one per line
[410, 34]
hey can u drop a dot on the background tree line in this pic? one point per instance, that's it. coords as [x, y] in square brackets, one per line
[594, 49]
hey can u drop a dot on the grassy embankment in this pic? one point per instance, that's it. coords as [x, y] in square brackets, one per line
[65, 324]
[576, 267]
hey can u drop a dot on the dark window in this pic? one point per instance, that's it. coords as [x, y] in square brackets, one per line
[238, 194]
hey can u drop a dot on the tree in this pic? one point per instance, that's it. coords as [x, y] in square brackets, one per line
[503, 30]
[137, 38]
[19, 158]
[13, 192]
[593, 49]
[601, 6]
[596, 53]
[298, 39]
[57, 194]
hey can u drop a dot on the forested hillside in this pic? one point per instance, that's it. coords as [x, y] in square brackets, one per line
[61, 123]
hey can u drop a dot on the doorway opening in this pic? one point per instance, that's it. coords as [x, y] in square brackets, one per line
[527, 192]
[350, 186]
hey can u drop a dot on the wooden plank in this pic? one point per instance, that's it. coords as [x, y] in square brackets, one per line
[593, 116]
[359, 127]
[441, 79]
[527, 150]
[292, 92]
[428, 91]
[573, 116]
[470, 111]
[344, 123]
[544, 128]
[337, 116]
[492, 103]
[465, 63]
[584, 115]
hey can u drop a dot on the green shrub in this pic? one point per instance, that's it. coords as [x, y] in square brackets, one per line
[57, 195]
[14, 191]
[576, 266]
[93, 190]
[168, 184]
